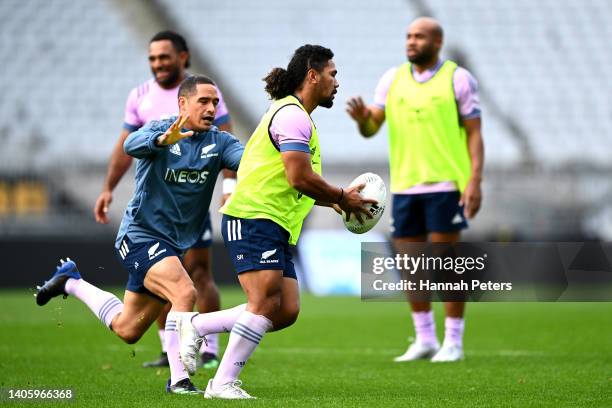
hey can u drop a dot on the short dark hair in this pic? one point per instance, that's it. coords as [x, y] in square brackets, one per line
[190, 84]
[177, 40]
[281, 82]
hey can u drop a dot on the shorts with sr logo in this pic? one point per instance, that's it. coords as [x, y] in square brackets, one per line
[257, 244]
[417, 214]
[137, 259]
[205, 239]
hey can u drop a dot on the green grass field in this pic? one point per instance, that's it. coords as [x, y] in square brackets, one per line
[337, 354]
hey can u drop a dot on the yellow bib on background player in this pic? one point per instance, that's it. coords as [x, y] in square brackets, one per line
[263, 190]
[427, 143]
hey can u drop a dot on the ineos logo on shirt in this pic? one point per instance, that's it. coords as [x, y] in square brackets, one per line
[186, 176]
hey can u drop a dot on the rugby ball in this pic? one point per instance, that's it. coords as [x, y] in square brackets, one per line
[374, 188]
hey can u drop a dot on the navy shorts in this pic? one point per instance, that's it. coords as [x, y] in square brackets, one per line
[205, 238]
[257, 244]
[137, 259]
[418, 214]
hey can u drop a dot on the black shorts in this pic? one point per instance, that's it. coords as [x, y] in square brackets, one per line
[417, 214]
[257, 244]
[138, 258]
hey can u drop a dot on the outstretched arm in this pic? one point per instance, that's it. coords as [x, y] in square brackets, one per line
[152, 138]
[369, 119]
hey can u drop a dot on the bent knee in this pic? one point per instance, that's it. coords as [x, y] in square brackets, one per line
[128, 336]
[286, 317]
[267, 306]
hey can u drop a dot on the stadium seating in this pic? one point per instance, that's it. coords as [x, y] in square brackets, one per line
[543, 63]
[540, 65]
[67, 69]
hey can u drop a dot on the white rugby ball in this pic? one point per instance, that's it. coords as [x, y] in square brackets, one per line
[374, 188]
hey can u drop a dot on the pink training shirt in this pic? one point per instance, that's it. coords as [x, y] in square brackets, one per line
[290, 129]
[468, 103]
[150, 101]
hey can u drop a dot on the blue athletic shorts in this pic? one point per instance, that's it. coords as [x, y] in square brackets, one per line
[137, 259]
[205, 238]
[257, 244]
[418, 214]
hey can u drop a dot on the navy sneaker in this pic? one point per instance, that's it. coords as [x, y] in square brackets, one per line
[185, 387]
[56, 285]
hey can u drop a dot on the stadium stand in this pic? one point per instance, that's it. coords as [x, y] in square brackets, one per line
[68, 67]
[367, 39]
[544, 64]
[541, 64]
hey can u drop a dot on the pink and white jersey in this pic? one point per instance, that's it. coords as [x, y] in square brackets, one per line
[290, 129]
[150, 101]
[468, 103]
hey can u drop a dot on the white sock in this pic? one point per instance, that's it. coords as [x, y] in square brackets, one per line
[211, 345]
[162, 338]
[425, 327]
[244, 338]
[453, 331]
[177, 370]
[103, 304]
[217, 322]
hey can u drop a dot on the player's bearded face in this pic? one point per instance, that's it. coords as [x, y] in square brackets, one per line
[201, 107]
[167, 76]
[421, 46]
[165, 62]
[423, 55]
[328, 85]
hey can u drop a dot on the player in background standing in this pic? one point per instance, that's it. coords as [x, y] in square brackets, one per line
[175, 178]
[436, 152]
[156, 100]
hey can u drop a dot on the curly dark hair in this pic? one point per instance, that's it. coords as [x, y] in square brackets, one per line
[281, 82]
[177, 40]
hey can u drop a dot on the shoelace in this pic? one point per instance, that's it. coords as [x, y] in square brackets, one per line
[198, 340]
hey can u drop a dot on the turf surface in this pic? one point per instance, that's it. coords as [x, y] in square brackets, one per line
[337, 354]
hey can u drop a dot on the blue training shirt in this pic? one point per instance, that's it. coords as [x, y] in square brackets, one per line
[174, 184]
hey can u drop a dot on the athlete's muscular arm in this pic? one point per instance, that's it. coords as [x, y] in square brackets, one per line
[472, 196]
[369, 119]
[118, 165]
[301, 177]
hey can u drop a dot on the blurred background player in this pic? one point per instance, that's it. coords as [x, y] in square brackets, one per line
[279, 182]
[175, 179]
[155, 100]
[436, 152]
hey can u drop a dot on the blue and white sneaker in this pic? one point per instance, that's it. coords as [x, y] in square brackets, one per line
[56, 285]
